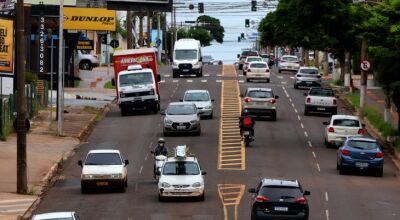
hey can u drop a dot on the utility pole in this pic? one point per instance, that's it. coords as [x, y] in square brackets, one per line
[159, 46]
[175, 35]
[22, 178]
[148, 42]
[60, 108]
[129, 29]
[364, 76]
[141, 30]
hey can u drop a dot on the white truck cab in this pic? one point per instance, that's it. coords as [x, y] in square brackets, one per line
[181, 176]
[187, 58]
[137, 90]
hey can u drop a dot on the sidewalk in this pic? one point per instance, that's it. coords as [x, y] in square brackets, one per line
[44, 149]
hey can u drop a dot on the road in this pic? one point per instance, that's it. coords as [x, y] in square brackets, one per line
[292, 147]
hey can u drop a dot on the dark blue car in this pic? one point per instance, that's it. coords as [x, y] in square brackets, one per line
[360, 153]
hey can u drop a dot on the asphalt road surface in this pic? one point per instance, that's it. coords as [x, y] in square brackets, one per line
[291, 147]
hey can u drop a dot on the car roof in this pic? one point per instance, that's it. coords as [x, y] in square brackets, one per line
[289, 56]
[174, 159]
[253, 57]
[51, 215]
[124, 72]
[102, 151]
[354, 138]
[280, 182]
[258, 89]
[258, 62]
[345, 117]
[196, 91]
[180, 103]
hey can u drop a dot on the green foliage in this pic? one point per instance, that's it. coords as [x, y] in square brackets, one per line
[214, 26]
[354, 99]
[337, 82]
[77, 82]
[30, 77]
[376, 119]
[108, 85]
[197, 33]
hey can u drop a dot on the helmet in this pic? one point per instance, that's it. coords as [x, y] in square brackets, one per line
[161, 140]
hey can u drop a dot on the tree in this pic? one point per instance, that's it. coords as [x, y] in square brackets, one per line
[197, 33]
[214, 26]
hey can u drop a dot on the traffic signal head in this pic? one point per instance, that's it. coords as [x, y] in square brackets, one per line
[247, 23]
[253, 5]
[201, 7]
[242, 35]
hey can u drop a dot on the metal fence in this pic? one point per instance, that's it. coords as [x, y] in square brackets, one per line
[36, 98]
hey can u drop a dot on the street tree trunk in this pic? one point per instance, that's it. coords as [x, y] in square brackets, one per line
[326, 64]
[306, 58]
[386, 110]
[316, 59]
[303, 54]
[342, 71]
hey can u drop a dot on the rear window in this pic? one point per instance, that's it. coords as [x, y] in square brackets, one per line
[260, 94]
[103, 159]
[290, 59]
[258, 65]
[309, 71]
[252, 59]
[249, 53]
[346, 122]
[322, 92]
[366, 145]
[276, 193]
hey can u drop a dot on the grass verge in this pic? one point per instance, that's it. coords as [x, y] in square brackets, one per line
[337, 82]
[108, 85]
[354, 99]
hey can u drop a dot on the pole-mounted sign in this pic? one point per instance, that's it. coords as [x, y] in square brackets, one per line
[365, 65]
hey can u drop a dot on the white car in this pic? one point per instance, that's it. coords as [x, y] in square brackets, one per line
[248, 60]
[258, 71]
[104, 168]
[202, 100]
[340, 127]
[56, 216]
[288, 63]
[181, 176]
[307, 77]
[87, 60]
[320, 100]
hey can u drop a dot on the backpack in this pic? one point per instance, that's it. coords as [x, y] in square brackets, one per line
[247, 121]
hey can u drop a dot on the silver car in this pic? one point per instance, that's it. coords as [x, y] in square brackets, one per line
[181, 117]
[202, 100]
[260, 102]
[307, 77]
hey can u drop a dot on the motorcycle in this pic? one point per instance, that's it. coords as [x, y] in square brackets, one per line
[247, 137]
[158, 163]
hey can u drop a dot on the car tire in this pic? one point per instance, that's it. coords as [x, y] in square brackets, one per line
[247, 80]
[122, 188]
[160, 198]
[337, 166]
[334, 112]
[85, 65]
[240, 67]
[273, 117]
[244, 73]
[253, 217]
[155, 109]
[268, 80]
[84, 189]
[211, 116]
[379, 172]
[306, 112]
[124, 111]
[165, 134]
[175, 75]
[327, 145]
[201, 198]
[198, 133]
[279, 71]
[126, 181]
[296, 86]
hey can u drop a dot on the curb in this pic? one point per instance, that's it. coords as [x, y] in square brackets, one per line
[48, 178]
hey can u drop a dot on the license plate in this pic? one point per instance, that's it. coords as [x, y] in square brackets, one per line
[246, 133]
[185, 70]
[309, 82]
[137, 99]
[321, 109]
[361, 165]
[281, 209]
[101, 183]
[181, 127]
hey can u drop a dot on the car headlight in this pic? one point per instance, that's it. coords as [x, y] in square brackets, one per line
[196, 63]
[167, 121]
[208, 107]
[87, 176]
[165, 185]
[116, 176]
[196, 184]
[193, 121]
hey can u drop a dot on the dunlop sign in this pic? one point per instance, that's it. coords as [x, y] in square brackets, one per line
[96, 19]
[6, 46]
[85, 45]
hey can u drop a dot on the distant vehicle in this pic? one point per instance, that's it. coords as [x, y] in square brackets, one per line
[288, 63]
[87, 60]
[202, 100]
[320, 100]
[56, 216]
[359, 153]
[340, 127]
[181, 176]
[137, 80]
[207, 60]
[187, 58]
[242, 57]
[181, 118]
[258, 71]
[260, 102]
[248, 60]
[265, 57]
[307, 77]
[216, 62]
[104, 168]
[279, 199]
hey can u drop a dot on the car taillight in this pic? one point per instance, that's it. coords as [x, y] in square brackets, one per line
[247, 99]
[379, 155]
[308, 100]
[272, 101]
[301, 200]
[331, 130]
[361, 131]
[345, 152]
[151, 92]
[261, 199]
[334, 102]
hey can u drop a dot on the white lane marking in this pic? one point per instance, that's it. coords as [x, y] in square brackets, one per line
[314, 155]
[305, 134]
[327, 214]
[162, 81]
[309, 144]
[218, 81]
[298, 117]
[241, 81]
[141, 169]
[292, 77]
[292, 105]
[175, 80]
[147, 155]
[302, 126]
[319, 169]
[295, 110]
[290, 99]
[283, 88]
[326, 196]
[203, 80]
[280, 77]
[167, 75]
[287, 95]
[219, 74]
[283, 82]
[206, 74]
[189, 80]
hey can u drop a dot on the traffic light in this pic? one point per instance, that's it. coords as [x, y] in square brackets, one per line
[253, 5]
[242, 35]
[238, 39]
[247, 23]
[201, 8]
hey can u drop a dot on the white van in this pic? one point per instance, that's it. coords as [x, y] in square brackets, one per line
[187, 58]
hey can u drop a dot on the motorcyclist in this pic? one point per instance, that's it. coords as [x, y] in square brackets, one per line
[160, 149]
[246, 122]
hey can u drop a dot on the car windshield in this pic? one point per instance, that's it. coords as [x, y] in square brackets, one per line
[207, 58]
[309, 71]
[278, 192]
[181, 168]
[346, 122]
[141, 78]
[196, 97]
[103, 159]
[185, 54]
[322, 92]
[365, 145]
[252, 59]
[181, 110]
[260, 94]
[249, 53]
[290, 59]
[258, 65]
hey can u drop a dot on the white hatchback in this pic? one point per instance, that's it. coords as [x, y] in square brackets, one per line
[202, 100]
[56, 216]
[258, 71]
[340, 127]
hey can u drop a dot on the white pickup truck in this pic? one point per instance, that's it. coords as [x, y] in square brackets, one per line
[320, 100]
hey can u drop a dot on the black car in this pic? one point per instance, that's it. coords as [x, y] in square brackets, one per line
[279, 199]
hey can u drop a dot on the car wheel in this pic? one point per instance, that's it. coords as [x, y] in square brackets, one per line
[126, 181]
[247, 80]
[155, 109]
[85, 65]
[326, 143]
[253, 217]
[84, 189]
[296, 86]
[240, 67]
[211, 116]
[175, 75]
[122, 188]
[201, 198]
[379, 172]
[306, 112]
[279, 71]
[337, 166]
[165, 134]
[273, 117]
[160, 198]
[334, 112]
[244, 73]
[124, 112]
[198, 132]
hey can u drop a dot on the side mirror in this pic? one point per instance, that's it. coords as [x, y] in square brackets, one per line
[276, 97]
[201, 59]
[158, 172]
[126, 162]
[203, 172]
[80, 163]
[305, 94]
[113, 82]
[162, 113]
[325, 123]
[252, 190]
[158, 77]
[307, 193]
[238, 56]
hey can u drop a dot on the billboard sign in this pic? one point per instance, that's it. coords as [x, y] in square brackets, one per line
[51, 2]
[6, 47]
[95, 19]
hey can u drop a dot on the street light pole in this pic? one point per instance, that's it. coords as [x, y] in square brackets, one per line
[60, 108]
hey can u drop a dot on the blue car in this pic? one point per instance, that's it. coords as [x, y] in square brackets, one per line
[360, 153]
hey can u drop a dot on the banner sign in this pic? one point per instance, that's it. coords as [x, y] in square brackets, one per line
[6, 46]
[50, 2]
[41, 43]
[85, 45]
[95, 19]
